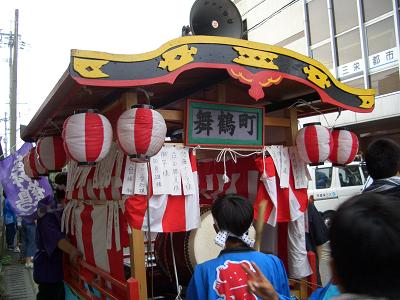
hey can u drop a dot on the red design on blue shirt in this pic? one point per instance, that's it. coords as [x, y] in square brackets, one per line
[231, 281]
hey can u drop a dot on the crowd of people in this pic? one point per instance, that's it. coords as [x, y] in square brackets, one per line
[364, 241]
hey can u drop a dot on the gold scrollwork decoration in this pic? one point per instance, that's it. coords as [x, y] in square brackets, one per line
[317, 77]
[90, 68]
[368, 101]
[177, 57]
[255, 58]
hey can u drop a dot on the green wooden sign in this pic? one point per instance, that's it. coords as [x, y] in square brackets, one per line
[216, 124]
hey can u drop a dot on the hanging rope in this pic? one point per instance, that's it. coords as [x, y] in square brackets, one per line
[178, 286]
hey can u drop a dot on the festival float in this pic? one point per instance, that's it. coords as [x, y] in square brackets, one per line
[151, 139]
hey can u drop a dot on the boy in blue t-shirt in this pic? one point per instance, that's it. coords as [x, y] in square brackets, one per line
[224, 277]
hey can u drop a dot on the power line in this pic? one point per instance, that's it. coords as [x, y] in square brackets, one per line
[271, 16]
[253, 7]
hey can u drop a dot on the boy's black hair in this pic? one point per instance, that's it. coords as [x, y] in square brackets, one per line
[365, 245]
[233, 213]
[383, 158]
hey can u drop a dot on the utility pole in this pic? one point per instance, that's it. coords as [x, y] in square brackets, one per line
[13, 88]
[5, 135]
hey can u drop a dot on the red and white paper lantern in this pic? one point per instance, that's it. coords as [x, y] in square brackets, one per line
[51, 153]
[87, 137]
[32, 166]
[314, 143]
[141, 132]
[345, 146]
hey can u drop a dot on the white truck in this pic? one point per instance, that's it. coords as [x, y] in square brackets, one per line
[331, 185]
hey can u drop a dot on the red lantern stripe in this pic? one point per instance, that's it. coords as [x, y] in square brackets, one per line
[142, 132]
[311, 138]
[94, 132]
[335, 150]
[59, 153]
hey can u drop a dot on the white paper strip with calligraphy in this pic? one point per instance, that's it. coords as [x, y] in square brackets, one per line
[299, 169]
[129, 178]
[186, 173]
[141, 179]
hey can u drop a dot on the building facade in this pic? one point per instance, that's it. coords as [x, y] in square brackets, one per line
[358, 40]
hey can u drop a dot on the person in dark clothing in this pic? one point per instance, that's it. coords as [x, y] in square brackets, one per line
[10, 220]
[383, 164]
[317, 234]
[365, 248]
[51, 243]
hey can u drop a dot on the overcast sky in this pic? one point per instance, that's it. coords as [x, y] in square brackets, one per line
[52, 28]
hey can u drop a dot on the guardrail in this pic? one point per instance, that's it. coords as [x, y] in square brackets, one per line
[106, 286]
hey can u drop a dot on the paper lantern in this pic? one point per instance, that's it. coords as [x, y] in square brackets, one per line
[51, 153]
[32, 166]
[87, 137]
[345, 146]
[141, 132]
[314, 143]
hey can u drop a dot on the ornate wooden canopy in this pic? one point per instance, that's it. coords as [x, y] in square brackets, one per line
[191, 67]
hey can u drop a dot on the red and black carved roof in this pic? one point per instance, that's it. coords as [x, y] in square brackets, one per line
[254, 73]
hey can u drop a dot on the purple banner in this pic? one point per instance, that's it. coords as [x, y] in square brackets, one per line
[23, 192]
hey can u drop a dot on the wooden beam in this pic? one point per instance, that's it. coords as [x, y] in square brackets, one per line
[138, 268]
[130, 98]
[277, 122]
[292, 130]
[171, 115]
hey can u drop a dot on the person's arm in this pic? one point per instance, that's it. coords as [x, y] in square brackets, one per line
[258, 284]
[74, 254]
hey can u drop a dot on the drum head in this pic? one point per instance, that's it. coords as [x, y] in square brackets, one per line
[201, 241]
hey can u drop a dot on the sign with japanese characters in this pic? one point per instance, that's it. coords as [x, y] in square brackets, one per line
[209, 123]
[23, 192]
[377, 62]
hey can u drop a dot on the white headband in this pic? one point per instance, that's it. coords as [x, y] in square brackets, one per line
[223, 235]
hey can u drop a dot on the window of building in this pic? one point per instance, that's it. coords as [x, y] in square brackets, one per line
[324, 55]
[376, 8]
[349, 47]
[319, 24]
[356, 83]
[386, 82]
[345, 12]
[323, 178]
[381, 36]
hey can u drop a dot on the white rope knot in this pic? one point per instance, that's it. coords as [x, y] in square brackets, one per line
[222, 236]
[178, 296]
[222, 156]
[196, 148]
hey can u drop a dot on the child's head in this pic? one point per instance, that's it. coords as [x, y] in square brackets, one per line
[60, 183]
[233, 213]
[383, 158]
[365, 245]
